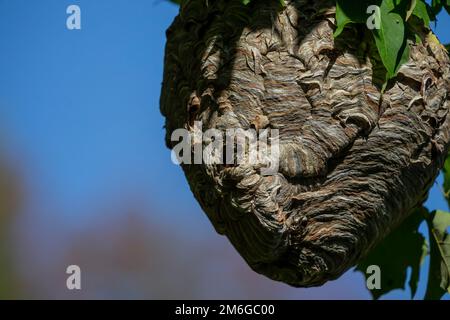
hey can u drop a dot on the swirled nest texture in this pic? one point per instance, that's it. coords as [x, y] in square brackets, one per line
[353, 161]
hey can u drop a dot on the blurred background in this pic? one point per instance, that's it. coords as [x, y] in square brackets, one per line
[86, 179]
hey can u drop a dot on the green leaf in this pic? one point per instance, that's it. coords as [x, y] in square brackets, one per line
[421, 11]
[447, 179]
[439, 274]
[391, 37]
[411, 9]
[436, 6]
[447, 6]
[405, 247]
[349, 11]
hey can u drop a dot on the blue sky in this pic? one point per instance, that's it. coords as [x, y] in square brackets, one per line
[81, 108]
[84, 104]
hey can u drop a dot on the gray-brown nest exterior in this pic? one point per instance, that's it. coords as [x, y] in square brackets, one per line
[353, 161]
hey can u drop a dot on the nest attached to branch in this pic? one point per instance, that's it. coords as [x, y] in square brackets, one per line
[353, 161]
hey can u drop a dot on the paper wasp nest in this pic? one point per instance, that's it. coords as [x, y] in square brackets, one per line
[353, 161]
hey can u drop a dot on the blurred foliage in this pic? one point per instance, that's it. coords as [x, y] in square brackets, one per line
[9, 204]
[131, 256]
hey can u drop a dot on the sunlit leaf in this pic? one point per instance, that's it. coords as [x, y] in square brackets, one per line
[411, 8]
[421, 11]
[391, 38]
